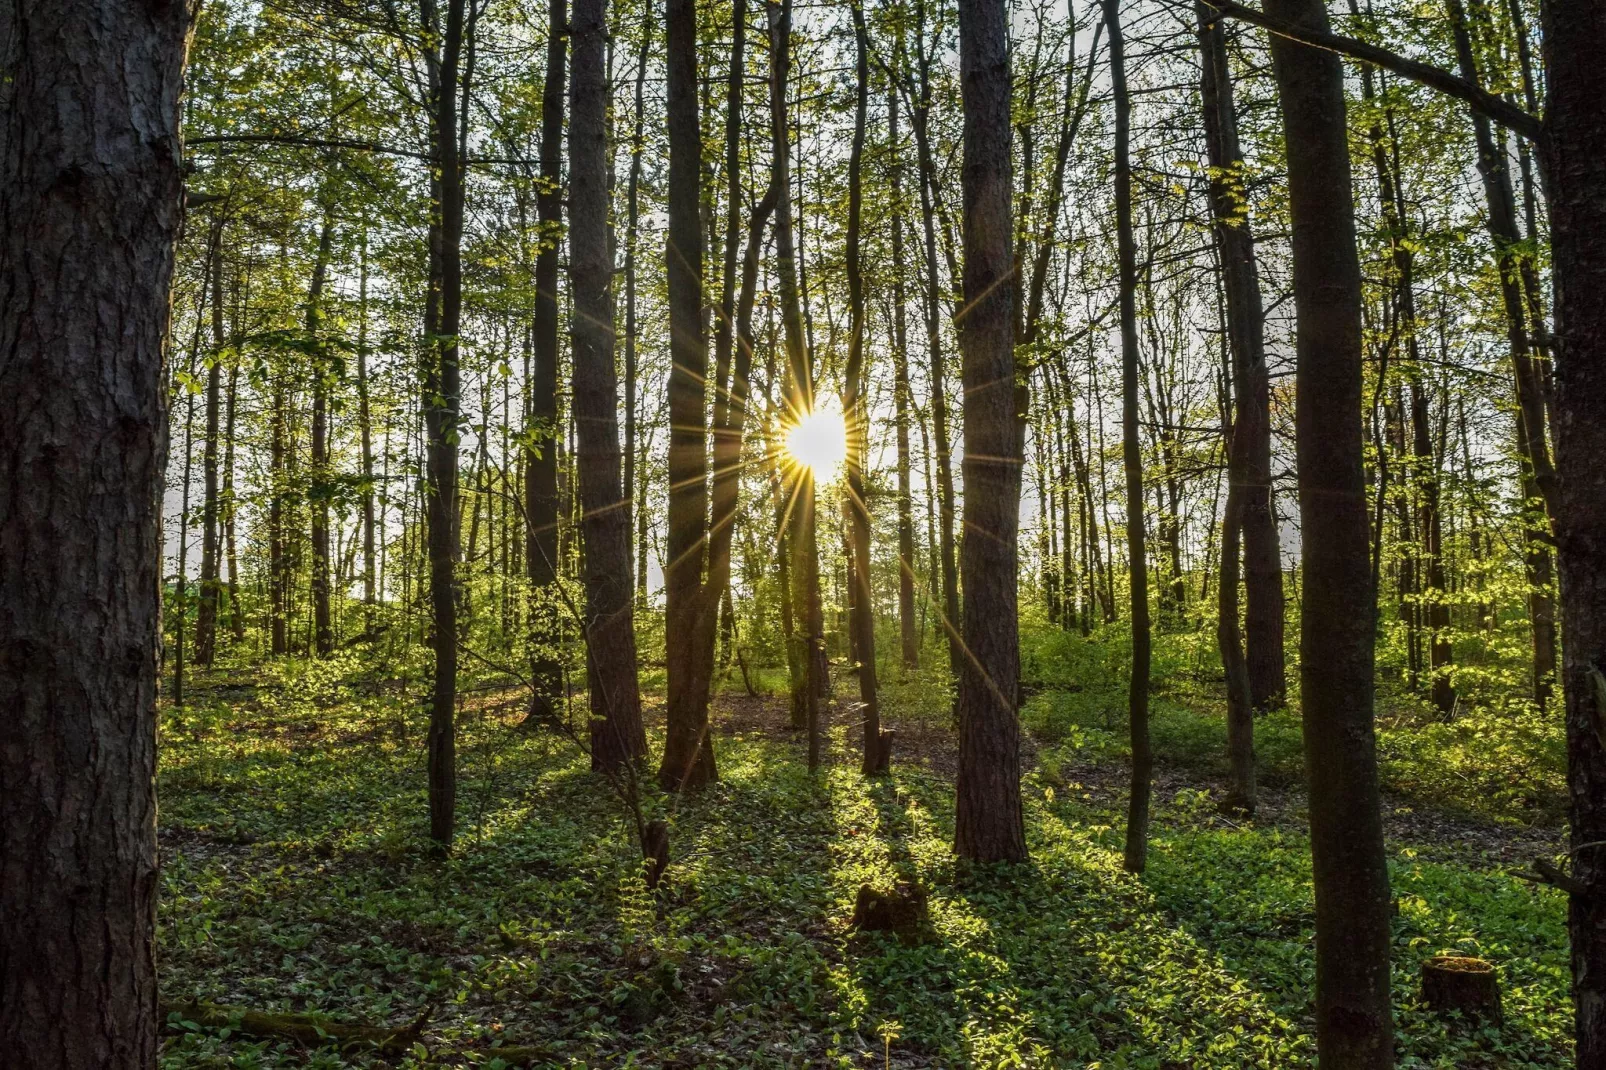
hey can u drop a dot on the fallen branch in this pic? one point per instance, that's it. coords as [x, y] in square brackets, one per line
[309, 1030]
[1549, 873]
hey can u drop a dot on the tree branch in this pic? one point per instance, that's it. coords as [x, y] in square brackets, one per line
[1487, 104]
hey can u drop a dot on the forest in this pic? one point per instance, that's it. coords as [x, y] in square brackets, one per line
[802, 533]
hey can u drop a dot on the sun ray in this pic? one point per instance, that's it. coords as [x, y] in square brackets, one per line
[818, 440]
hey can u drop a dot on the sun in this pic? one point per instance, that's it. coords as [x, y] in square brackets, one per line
[818, 441]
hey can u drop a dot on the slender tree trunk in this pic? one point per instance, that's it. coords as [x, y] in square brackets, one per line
[1137, 821]
[206, 612]
[688, 761]
[1235, 242]
[320, 474]
[1575, 157]
[365, 429]
[441, 411]
[236, 616]
[1353, 1018]
[632, 227]
[1538, 478]
[856, 413]
[908, 627]
[939, 389]
[544, 435]
[278, 561]
[617, 735]
[988, 826]
[90, 209]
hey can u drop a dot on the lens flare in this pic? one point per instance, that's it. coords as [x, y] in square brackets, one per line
[818, 441]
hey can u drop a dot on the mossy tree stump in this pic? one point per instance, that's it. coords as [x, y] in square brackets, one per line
[1462, 984]
[901, 911]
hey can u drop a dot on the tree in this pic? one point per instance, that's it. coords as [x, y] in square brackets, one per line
[442, 401]
[617, 736]
[908, 629]
[206, 613]
[988, 826]
[1574, 152]
[90, 207]
[1249, 459]
[1353, 1017]
[1137, 816]
[688, 760]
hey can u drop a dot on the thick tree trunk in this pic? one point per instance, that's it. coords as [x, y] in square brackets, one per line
[988, 826]
[90, 204]
[1353, 1018]
[541, 459]
[1137, 820]
[1250, 466]
[617, 736]
[442, 400]
[1575, 154]
[908, 627]
[324, 636]
[688, 760]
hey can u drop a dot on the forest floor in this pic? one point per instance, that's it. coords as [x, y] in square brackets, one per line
[297, 877]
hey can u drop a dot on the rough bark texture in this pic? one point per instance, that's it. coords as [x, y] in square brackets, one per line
[688, 760]
[1575, 154]
[90, 196]
[617, 735]
[1137, 816]
[856, 412]
[443, 310]
[541, 461]
[988, 825]
[1353, 1024]
[1250, 461]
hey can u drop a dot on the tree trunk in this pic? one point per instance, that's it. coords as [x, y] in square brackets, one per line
[324, 636]
[856, 414]
[1137, 821]
[365, 428]
[908, 628]
[617, 736]
[688, 761]
[939, 389]
[1250, 466]
[206, 612]
[1353, 1023]
[988, 825]
[441, 408]
[541, 459]
[632, 228]
[236, 616]
[90, 207]
[1575, 152]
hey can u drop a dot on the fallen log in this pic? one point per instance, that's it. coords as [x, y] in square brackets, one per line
[308, 1029]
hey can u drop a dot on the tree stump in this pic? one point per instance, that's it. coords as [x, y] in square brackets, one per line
[901, 911]
[881, 754]
[1461, 983]
[655, 851]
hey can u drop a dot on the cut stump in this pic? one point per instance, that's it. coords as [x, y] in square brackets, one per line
[901, 911]
[1464, 984]
[655, 851]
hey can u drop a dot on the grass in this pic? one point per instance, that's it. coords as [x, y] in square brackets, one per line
[297, 877]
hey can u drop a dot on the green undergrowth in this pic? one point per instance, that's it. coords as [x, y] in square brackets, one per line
[1500, 759]
[297, 876]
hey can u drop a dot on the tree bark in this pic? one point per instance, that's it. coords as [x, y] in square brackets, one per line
[688, 761]
[324, 636]
[1137, 821]
[1353, 1023]
[856, 414]
[988, 826]
[1250, 459]
[543, 434]
[617, 735]
[442, 400]
[1575, 152]
[908, 626]
[90, 208]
